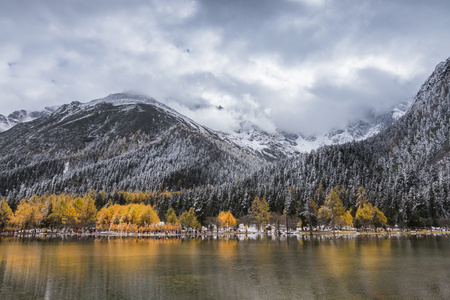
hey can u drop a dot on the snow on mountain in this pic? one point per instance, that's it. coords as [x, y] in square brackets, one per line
[271, 146]
[283, 144]
[22, 116]
[120, 141]
[129, 142]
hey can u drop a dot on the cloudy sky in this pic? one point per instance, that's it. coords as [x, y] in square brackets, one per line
[298, 65]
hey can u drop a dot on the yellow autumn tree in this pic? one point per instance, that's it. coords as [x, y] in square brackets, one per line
[26, 216]
[260, 212]
[378, 219]
[364, 215]
[347, 218]
[188, 219]
[6, 214]
[171, 217]
[148, 216]
[226, 219]
[104, 218]
[333, 209]
[88, 213]
[65, 214]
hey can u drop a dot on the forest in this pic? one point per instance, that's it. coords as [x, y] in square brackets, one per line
[138, 211]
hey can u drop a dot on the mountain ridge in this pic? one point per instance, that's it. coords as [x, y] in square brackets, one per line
[405, 167]
[271, 146]
[79, 137]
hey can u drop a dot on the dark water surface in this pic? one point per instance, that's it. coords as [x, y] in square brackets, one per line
[258, 268]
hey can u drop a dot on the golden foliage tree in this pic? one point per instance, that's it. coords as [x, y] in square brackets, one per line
[364, 215]
[333, 208]
[104, 217]
[260, 212]
[379, 219]
[347, 218]
[148, 216]
[188, 219]
[171, 217]
[6, 214]
[226, 219]
[88, 214]
[26, 216]
[64, 214]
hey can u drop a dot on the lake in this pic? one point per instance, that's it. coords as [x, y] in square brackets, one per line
[364, 267]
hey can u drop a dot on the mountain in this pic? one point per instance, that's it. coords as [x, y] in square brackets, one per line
[405, 168]
[270, 146]
[122, 141]
[131, 142]
[21, 116]
[282, 144]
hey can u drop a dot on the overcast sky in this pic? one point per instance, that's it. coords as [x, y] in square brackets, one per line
[298, 65]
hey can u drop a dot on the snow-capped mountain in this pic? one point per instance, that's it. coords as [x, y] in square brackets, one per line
[405, 168]
[21, 116]
[283, 144]
[119, 141]
[129, 142]
[271, 146]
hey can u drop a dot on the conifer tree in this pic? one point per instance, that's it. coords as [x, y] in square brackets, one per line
[226, 219]
[6, 214]
[333, 209]
[26, 216]
[260, 212]
[171, 217]
[188, 219]
[364, 215]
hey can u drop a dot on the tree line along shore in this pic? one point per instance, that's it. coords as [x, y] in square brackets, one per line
[136, 214]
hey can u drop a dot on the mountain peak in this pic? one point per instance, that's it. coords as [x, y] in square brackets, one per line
[21, 116]
[124, 99]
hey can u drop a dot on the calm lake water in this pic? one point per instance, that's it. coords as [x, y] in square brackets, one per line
[245, 268]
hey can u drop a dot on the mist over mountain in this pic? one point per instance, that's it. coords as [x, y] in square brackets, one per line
[21, 116]
[405, 168]
[273, 144]
[283, 144]
[130, 142]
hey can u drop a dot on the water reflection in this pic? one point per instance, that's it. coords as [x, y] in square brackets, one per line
[242, 267]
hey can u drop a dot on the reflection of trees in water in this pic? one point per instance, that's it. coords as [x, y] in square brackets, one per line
[253, 266]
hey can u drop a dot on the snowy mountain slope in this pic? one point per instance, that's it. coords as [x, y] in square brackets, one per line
[405, 168]
[120, 141]
[21, 116]
[270, 146]
[131, 142]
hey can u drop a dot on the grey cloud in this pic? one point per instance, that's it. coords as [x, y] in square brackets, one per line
[296, 65]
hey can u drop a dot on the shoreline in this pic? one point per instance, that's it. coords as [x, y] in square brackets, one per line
[220, 234]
